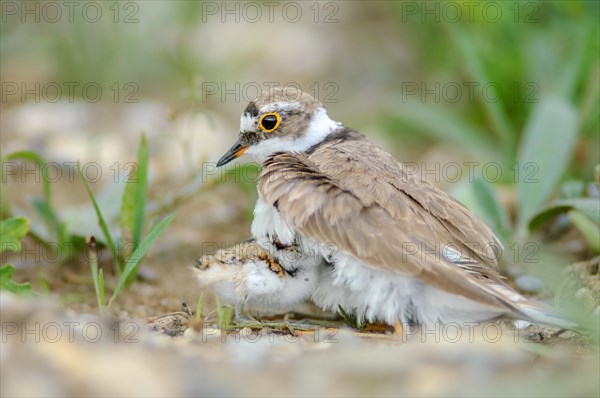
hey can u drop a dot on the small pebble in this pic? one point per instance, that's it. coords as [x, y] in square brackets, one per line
[529, 283]
[245, 332]
[522, 325]
[190, 333]
[593, 191]
[569, 334]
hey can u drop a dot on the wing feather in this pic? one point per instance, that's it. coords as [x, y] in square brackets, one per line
[392, 221]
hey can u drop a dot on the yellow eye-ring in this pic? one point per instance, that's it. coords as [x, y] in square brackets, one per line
[269, 122]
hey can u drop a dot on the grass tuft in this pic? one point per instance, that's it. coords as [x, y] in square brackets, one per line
[224, 314]
[351, 319]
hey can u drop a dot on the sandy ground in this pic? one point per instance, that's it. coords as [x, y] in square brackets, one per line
[49, 351]
[58, 344]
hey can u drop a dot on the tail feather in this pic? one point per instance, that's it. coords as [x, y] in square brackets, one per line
[530, 310]
[539, 313]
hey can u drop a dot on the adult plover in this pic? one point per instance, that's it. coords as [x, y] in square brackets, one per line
[389, 246]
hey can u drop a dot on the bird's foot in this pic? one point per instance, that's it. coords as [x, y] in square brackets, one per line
[398, 329]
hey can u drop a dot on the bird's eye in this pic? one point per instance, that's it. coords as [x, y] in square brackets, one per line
[269, 122]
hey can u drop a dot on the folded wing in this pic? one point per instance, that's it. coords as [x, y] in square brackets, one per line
[385, 216]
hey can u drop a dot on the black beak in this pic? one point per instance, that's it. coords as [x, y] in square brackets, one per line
[235, 151]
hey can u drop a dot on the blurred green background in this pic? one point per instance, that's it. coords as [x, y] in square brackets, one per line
[496, 102]
[375, 56]
[433, 82]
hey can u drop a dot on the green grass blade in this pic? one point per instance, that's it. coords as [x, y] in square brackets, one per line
[133, 203]
[494, 110]
[225, 315]
[227, 319]
[544, 155]
[134, 260]
[44, 207]
[351, 319]
[588, 228]
[141, 191]
[101, 287]
[93, 258]
[105, 231]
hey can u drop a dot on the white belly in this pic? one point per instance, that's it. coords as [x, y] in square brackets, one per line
[371, 294]
[388, 296]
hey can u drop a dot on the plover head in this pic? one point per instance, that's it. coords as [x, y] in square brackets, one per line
[280, 120]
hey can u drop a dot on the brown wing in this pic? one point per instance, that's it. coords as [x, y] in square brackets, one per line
[380, 213]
